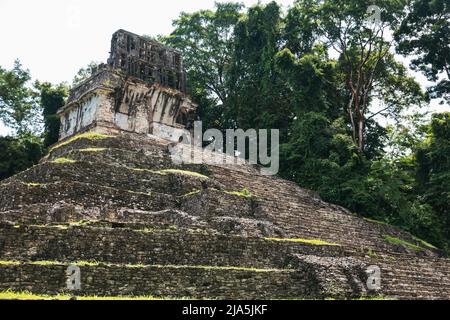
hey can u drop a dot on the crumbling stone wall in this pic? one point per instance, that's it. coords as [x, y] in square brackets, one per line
[146, 59]
[115, 103]
[141, 90]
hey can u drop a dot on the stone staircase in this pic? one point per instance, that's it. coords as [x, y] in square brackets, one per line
[134, 223]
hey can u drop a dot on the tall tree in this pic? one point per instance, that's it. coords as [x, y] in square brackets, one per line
[425, 33]
[433, 168]
[18, 107]
[365, 58]
[259, 96]
[205, 39]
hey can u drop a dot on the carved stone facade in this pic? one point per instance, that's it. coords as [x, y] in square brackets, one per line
[117, 99]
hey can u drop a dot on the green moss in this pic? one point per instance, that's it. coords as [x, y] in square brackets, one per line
[307, 241]
[95, 263]
[82, 222]
[26, 295]
[92, 150]
[398, 241]
[371, 253]
[9, 263]
[147, 230]
[182, 172]
[423, 242]
[63, 161]
[244, 193]
[376, 221]
[223, 268]
[33, 184]
[192, 193]
[87, 135]
[165, 172]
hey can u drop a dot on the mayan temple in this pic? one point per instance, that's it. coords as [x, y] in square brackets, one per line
[107, 212]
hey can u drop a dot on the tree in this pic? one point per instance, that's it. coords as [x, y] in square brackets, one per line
[18, 107]
[369, 70]
[18, 154]
[259, 97]
[84, 73]
[205, 40]
[300, 30]
[51, 98]
[433, 168]
[425, 33]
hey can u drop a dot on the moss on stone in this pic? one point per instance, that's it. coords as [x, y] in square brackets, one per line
[182, 172]
[375, 221]
[423, 242]
[33, 184]
[192, 193]
[307, 241]
[63, 161]
[92, 150]
[26, 295]
[96, 263]
[398, 241]
[244, 193]
[86, 135]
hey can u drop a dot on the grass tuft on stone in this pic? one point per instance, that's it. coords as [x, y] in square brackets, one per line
[398, 241]
[307, 241]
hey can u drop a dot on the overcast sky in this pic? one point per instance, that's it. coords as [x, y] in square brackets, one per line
[55, 38]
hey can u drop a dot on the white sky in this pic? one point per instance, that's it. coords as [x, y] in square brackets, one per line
[55, 38]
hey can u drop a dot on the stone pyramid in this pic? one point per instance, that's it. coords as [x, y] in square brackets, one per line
[108, 213]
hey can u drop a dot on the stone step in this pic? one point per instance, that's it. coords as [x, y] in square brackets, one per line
[15, 194]
[176, 182]
[140, 244]
[199, 282]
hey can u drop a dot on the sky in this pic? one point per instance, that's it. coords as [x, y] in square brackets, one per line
[54, 38]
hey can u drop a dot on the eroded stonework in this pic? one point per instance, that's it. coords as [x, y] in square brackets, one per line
[117, 99]
[148, 60]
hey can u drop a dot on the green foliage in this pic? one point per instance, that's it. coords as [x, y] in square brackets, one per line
[431, 45]
[205, 39]
[51, 99]
[18, 108]
[18, 154]
[84, 73]
[433, 171]
[276, 72]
